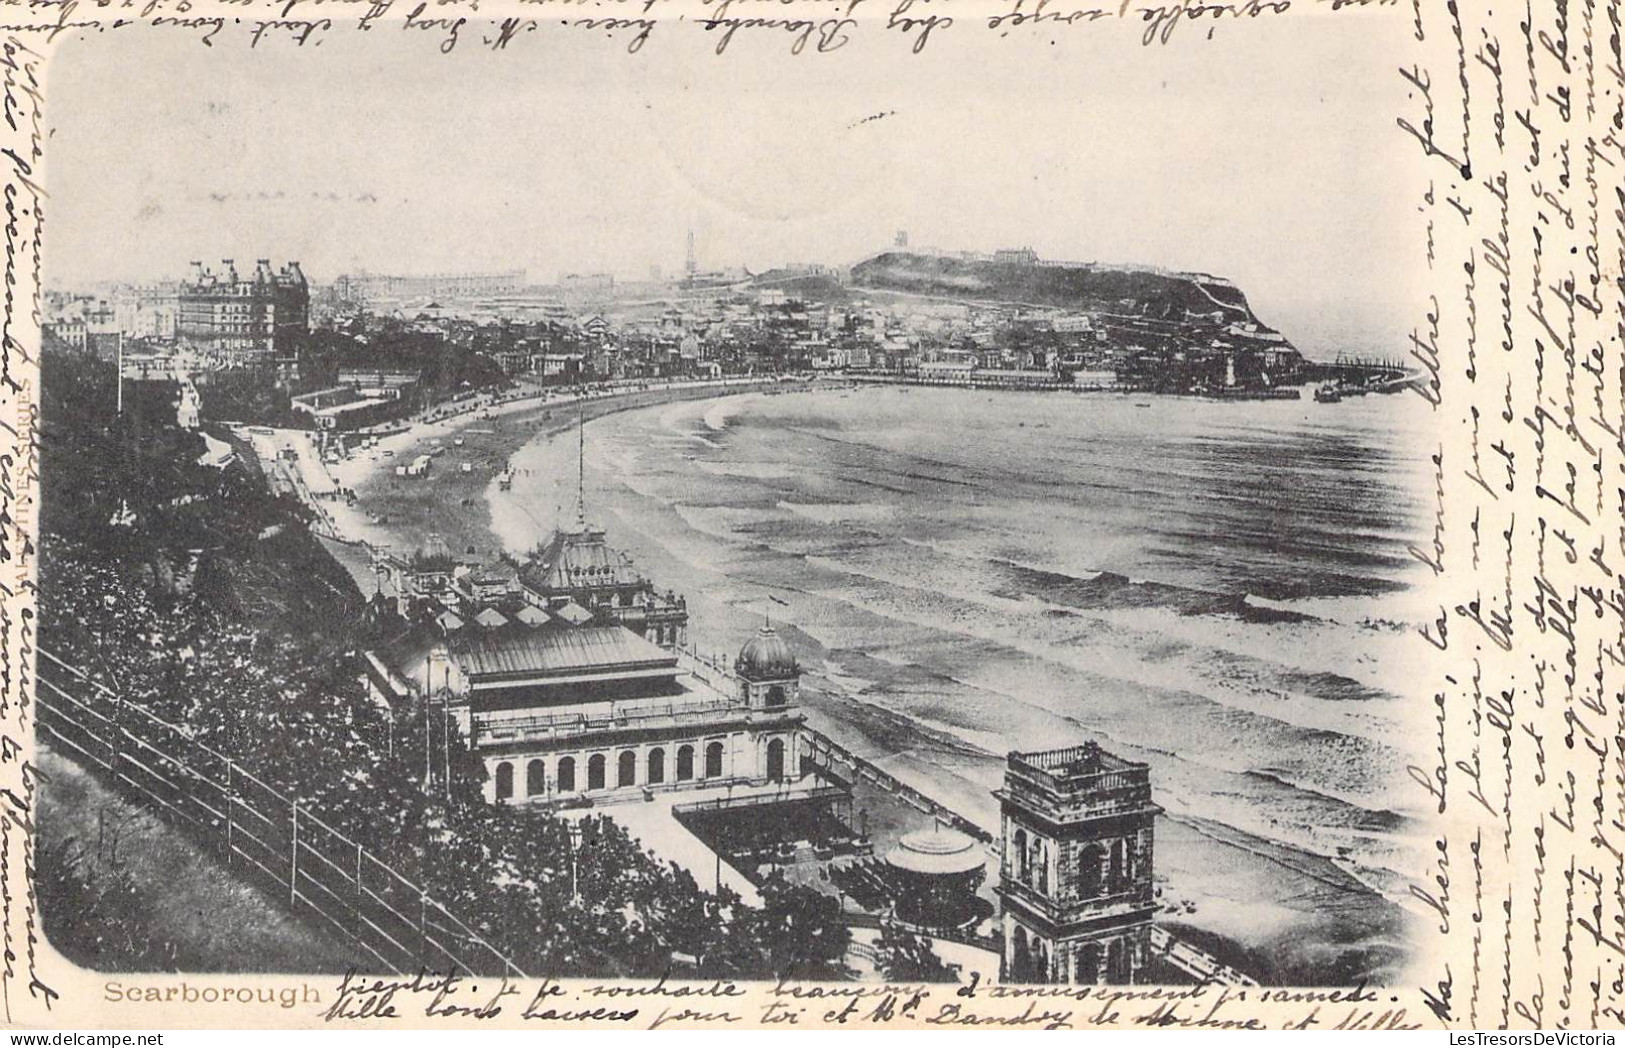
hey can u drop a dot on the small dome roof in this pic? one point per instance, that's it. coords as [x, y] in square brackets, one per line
[766, 657]
[939, 850]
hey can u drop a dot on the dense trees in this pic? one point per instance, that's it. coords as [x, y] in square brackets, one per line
[257, 659]
[908, 958]
[801, 931]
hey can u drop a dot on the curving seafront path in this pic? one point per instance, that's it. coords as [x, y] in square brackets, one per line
[400, 514]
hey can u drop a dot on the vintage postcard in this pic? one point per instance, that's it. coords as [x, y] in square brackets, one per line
[817, 513]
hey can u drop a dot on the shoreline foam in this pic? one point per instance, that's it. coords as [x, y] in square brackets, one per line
[449, 500]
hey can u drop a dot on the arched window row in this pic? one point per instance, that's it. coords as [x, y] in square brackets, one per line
[1101, 868]
[621, 769]
[1092, 963]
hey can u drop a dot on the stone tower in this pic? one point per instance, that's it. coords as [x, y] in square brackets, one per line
[1075, 877]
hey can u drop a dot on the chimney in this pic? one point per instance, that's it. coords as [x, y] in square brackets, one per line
[262, 271]
[197, 271]
[295, 272]
[231, 270]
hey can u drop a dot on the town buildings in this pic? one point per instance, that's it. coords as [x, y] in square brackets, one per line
[345, 407]
[375, 382]
[147, 311]
[1016, 256]
[85, 323]
[237, 320]
[1166, 332]
[375, 287]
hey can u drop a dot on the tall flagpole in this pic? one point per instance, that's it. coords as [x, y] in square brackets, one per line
[581, 463]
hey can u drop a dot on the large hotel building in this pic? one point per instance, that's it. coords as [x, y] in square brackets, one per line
[243, 319]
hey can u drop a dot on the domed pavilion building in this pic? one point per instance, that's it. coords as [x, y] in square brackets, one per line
[564, 707]
[937, 872]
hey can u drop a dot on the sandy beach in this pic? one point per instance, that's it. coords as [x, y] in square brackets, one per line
[401, 514]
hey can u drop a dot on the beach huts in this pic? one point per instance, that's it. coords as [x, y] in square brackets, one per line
[416, 468]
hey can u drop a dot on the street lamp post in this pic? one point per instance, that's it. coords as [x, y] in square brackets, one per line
[573, 828]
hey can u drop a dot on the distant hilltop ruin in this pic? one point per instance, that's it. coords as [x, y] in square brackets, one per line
[1020, 277]
[1101, 326]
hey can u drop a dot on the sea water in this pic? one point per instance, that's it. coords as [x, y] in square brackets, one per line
[1223, 590]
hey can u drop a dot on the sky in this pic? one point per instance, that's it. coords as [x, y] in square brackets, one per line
[1266, 153]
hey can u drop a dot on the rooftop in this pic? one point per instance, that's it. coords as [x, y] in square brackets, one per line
[532, 616]
[550, 651]
[700, 698]
[580, 557]
[939, 851]
[1073, 764]
[1076, 782]
[494, 573]
[572, 613]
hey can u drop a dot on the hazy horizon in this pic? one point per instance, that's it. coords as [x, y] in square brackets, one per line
[564, 154]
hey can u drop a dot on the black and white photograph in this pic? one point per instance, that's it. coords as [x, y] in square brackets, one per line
[677, 510]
